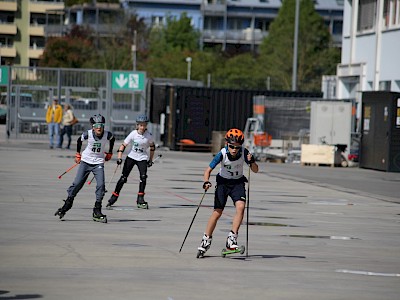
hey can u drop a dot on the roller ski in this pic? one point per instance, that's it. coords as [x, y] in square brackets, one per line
[66, 207]
[226, 252]
[140, 202]
[112, 200]
[231, 245]
[97, 214]
[204, 246]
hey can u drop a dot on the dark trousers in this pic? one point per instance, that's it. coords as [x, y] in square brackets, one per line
[67, 129]
[126, 170]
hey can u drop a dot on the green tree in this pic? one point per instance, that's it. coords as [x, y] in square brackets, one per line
[239, 72]
[169, 46]
[115, 53]
[207, 62]
[72, 51]
[82, 49]
[315, 54]
[179, 34]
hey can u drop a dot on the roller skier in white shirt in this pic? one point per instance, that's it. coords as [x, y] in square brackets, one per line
[91, 161]
[141, 155]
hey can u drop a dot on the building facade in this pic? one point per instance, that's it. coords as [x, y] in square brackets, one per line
[233, 24]
[371, 43]
[103, 19]
[22, 35]
[236, 25]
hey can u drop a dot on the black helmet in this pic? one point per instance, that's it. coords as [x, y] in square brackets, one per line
[142, 119]
[97, 119]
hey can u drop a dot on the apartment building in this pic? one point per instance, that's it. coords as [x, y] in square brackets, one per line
[371, 43]
[22, 37]
[233, 24]
[103, 19]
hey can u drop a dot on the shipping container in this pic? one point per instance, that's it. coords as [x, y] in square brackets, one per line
[380, 139]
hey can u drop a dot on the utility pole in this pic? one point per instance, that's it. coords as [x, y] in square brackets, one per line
[295, 46]
[134, 50]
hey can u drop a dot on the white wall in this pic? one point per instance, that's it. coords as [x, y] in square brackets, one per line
[390, 59]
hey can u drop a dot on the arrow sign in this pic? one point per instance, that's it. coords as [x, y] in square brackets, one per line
[133, 81]
[121, 80]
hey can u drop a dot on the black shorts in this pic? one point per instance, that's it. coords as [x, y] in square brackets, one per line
[237, 192]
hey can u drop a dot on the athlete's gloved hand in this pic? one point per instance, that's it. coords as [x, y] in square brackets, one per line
[119, 161]
[78, 157]
[108, 156]
[149, 163]
[207, 185]
[251, 158]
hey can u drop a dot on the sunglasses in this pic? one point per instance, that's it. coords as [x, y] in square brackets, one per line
[98, 125]
[234, 147]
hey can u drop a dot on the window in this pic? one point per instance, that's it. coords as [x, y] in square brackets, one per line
[337, 27]
[384, 85]
[37, 19]
[6, 41]
[37, 42]
[262, 24]
[391, 13]
[366, 15]
[157, 21]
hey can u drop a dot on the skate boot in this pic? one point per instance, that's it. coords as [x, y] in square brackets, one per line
[97, 215]
[204, 246]
[140, 201]
[66, 207]
[231, 241]
[112, 200]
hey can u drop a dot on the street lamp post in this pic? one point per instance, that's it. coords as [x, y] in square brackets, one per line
[189, 67]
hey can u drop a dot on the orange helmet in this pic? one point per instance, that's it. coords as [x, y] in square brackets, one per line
[234, 136]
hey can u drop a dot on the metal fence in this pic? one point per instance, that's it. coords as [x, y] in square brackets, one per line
[28, 92]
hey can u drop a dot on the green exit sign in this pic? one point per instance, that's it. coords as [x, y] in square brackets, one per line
[128, 81]
[4, 75]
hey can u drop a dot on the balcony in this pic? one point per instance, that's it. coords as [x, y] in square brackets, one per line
[209, 9]
[42, 7]
[10, 29]
[36, 30]
[35, 53]
[350, 70]
[245, 36]
[8, 5]
[8, 51]
[102, 30]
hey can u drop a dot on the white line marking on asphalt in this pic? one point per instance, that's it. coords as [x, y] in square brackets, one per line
[368, 273]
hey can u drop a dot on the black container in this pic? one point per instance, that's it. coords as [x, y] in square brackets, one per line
[200, 111]
[380, 128]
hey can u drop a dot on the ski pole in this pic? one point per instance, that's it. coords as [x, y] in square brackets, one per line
[90, 181]
[190, 226]
[247, 214]
[108, 185]
[59, 177]
[158, 156]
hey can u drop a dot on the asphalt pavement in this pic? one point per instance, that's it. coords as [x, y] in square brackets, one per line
[313, 233]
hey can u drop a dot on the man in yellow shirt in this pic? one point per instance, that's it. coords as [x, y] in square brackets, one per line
[53, 120]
